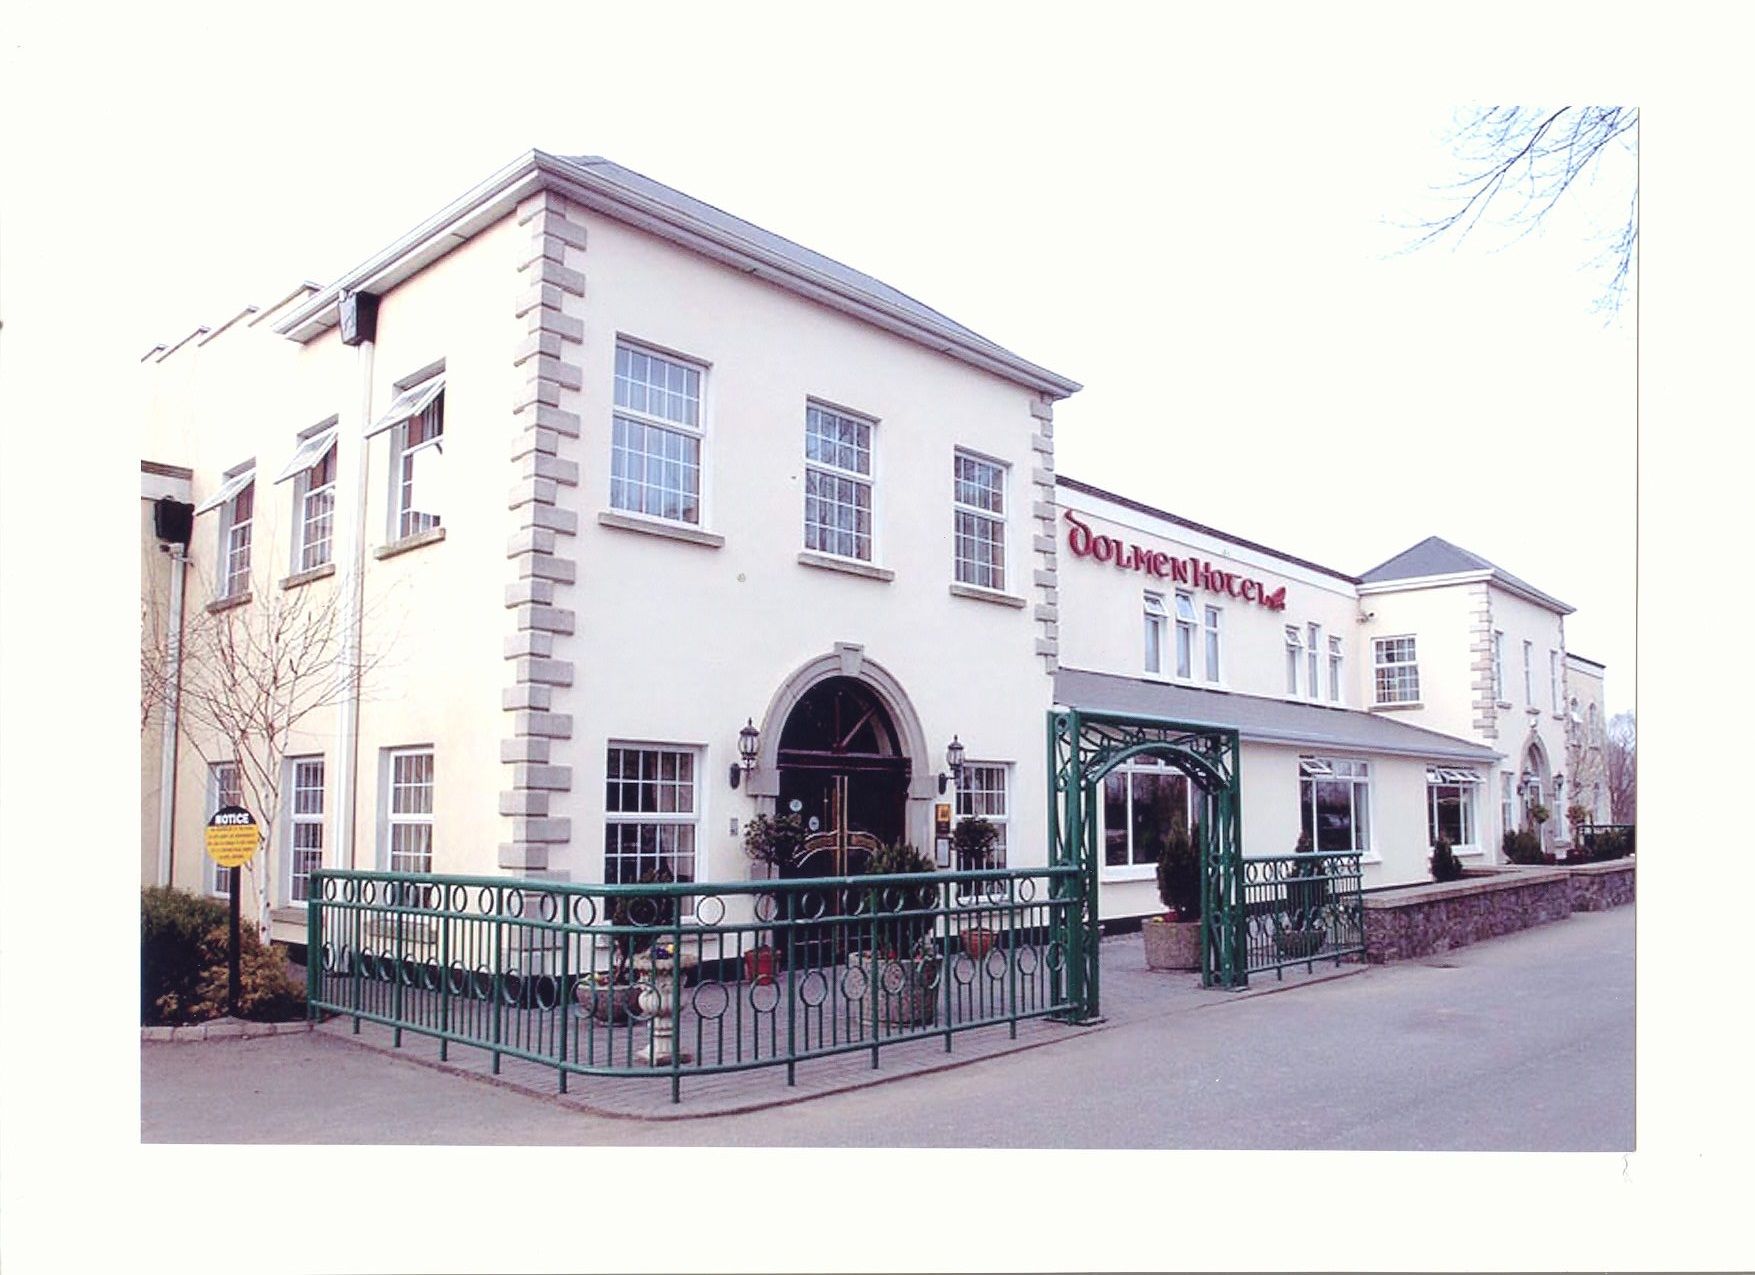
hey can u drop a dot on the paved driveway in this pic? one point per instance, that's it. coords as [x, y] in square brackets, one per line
[1521, 1043]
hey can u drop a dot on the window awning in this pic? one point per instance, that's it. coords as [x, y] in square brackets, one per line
[408, 404]
[228, 489]
[309, 452]
[1314, 768]
[1450, 775]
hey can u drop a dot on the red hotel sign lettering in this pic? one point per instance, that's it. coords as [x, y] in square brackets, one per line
[1192, 571]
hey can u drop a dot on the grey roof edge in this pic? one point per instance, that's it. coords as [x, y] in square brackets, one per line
[586, 184]
[1128, 502]
[1585, 659]
[1396, 738]
[1444, 558]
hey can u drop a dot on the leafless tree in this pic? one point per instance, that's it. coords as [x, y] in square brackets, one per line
[1519, 161]
[252, 676]
[1619, 758]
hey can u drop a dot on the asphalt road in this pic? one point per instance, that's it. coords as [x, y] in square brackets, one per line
[1524, 1043]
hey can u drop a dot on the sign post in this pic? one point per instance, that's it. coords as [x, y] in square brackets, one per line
[232, 839]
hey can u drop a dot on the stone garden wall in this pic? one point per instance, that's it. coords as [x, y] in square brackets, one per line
[1422, 919]
[1599, 886]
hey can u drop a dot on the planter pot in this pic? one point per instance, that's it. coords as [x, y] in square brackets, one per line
[1171, 945]
[759, 965]
[607, 1002]
[1298, 945]
[976, 941]
[907, 991]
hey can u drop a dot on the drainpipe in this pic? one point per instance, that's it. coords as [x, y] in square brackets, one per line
[167, 756]
[359, 315]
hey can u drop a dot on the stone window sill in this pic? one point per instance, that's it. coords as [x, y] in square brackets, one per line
[653, 527]
[431, 536]
[306, 577]
[828, 562]
[1533, 711]
[226, 604]
[980, 594]
[292, 914]
[1504, 704]
[1397, 708]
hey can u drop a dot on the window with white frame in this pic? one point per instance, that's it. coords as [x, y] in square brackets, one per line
[315, 503]
[1499, 666]
[1157, 620]
[419, 447]
[837, 483]
[1313, 656]
[1143, 799]
[1211, 631]
[655, 455]
[1294, 657]
[1334, 798]
[1334, 669]
[978, 495]
[1554, 679]
[306, 818]
[1529, 685]
[1395, 671]
[235, 535]
[225, 787]
[410, 815]
[1507, 802]
[1450, 806]
[1187, 626]
[981, 792]
[650, 814]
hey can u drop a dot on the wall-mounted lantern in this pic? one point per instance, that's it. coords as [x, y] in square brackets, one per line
[749, 740]
[953, 759]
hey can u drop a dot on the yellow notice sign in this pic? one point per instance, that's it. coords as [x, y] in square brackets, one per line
[232, 837]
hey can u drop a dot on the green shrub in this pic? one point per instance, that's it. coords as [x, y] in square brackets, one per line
[973, 840]
[1306, 890]
[184, 952]
[1179, 874]
[1523, 847]
[905, 934]
[1444, 863]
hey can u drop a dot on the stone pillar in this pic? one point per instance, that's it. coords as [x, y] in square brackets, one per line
[1044, 511]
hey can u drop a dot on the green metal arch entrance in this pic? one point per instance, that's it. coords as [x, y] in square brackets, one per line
[1083, 747]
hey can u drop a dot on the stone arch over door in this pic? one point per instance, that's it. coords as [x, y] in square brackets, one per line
[1536, 769]
[848, 659]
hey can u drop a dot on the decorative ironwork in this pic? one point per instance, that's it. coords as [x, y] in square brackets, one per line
[759, 974]
[1084, 747]
[1301, 908]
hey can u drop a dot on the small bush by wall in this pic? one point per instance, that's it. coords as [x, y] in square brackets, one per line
[183, 957]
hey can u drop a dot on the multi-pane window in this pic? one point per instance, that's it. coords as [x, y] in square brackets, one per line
[240, 513]
[1334, 798]
[1294, 657]
[1186, 628]
[981, 790]
[1156, 622]
[650, 813]
[307, 825]
[1498, 666]
[1143, 800]
[979, 503]
[316, 505]
[411, 810]
[1396, 670]
[420, 451]
[224, 788]
[1507, 802]
[1554, 679]
[655, 454]
[1313, 653]
[837, 483]
[1529, 685]
[1212, 643]
[1450, 805]
[1334, 669]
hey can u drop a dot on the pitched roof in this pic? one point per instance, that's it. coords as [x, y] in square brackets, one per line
[1261, 719]
[1435, 556]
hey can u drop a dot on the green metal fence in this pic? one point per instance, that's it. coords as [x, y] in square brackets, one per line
[682, 979]
[1302, 908]
[1606, 840]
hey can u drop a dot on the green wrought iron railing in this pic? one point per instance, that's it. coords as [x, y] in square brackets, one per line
[1606, 840]
[1302, 908]
[690, 978]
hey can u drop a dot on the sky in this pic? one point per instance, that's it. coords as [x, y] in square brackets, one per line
[1190, 209]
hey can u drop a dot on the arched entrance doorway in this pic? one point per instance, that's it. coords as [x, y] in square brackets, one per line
[843, 769]
[1537, 787]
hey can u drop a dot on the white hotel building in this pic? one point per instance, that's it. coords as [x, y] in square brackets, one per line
[600, 473]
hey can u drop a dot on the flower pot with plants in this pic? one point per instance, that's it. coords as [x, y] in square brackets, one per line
[1302, 933]
[609, 996]
[1172, 940]
[902, 970]
[773, 843]
[973, 840]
